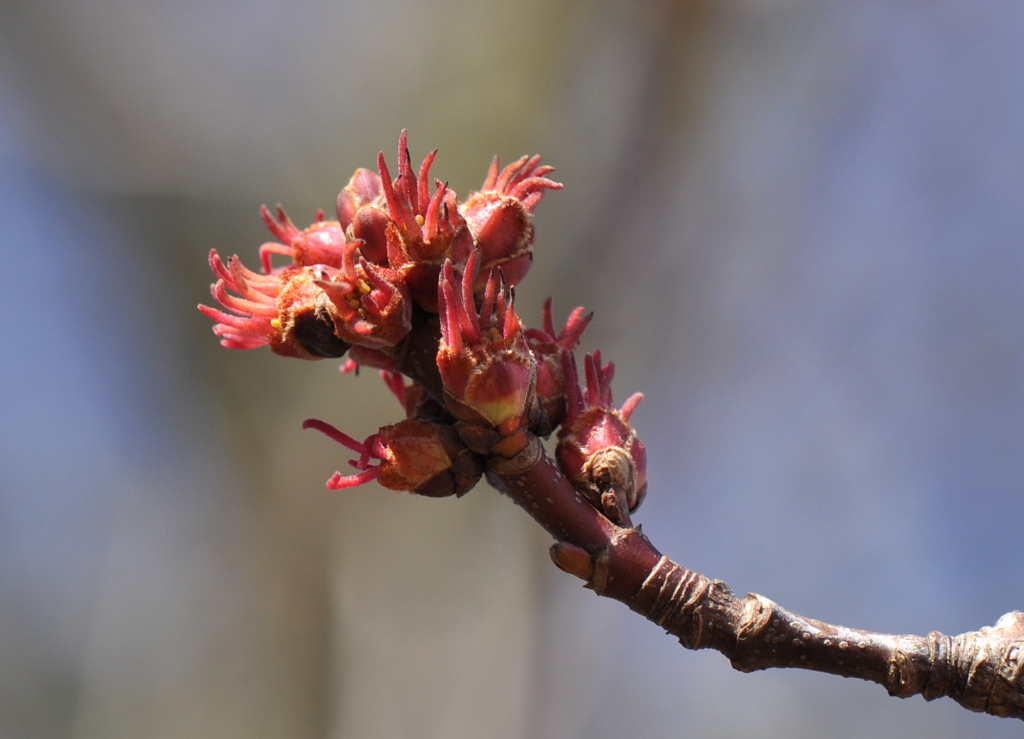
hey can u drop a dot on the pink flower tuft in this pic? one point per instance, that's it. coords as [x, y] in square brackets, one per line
[597, 448]
[285, 310]
[500, 215]
[425, 229]
[486, 366]
[413, 455]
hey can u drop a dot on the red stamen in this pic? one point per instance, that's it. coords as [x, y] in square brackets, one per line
[630, 405]
[424, 178]
[573, 395]
[270, 248]
[492, 175]
[339, 482]
[490, 289]
[395, 382]
[406, 179]
[334, 434]
[239, 305]
[508, 173]
[549, 321]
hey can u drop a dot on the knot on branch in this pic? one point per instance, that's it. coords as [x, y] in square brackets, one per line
[981, 670]
[680, 601]
[755, 617]
[987, 668]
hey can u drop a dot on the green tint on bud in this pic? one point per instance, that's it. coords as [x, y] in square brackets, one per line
[486, 366]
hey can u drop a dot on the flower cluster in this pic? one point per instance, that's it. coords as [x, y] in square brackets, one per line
[597, 449]
[412, 281]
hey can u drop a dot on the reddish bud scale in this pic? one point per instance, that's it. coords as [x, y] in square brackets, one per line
[597, 449]
[500, 216]
[413, 455]
[321, 243]
[361, 213]
[305, 315]
[549, 350]
[485, 364]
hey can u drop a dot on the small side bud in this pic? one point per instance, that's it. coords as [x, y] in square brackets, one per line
[414, 455]
[321, 243]
[572, 559]
[597, 449]
[285, 311]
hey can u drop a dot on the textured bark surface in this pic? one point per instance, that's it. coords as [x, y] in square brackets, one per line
[980, 670]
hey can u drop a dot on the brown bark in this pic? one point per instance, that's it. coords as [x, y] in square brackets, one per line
[980, 670]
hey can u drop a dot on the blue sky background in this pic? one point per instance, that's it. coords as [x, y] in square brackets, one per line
[800, 226]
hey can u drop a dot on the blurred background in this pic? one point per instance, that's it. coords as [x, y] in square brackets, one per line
[800, 225]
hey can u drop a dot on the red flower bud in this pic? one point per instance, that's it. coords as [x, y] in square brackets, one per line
[425, 229]
[372, 304]
[361, 214]
[363, 189]
[500, 216]
[597, 448]
[549, 349]
[486, 366]
[414, 455]
[286, 310]
[321, 243]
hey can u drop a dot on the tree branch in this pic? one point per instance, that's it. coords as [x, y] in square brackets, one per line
[430, 295]
[981, 670]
